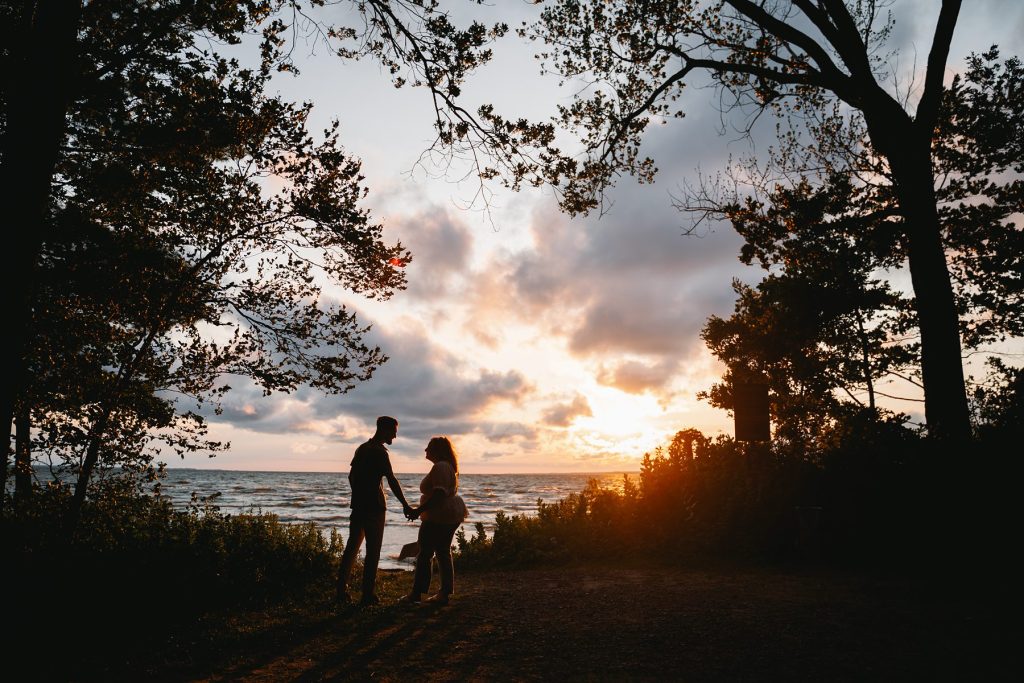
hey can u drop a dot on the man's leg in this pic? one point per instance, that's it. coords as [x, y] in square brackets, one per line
[348, 558]
[374, 530]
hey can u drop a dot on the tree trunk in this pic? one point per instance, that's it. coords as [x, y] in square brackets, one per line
[23, 457]
[38, 90]
[942, 367]
[3, 476]
[865, 352]
[92, 454]
[896, 136]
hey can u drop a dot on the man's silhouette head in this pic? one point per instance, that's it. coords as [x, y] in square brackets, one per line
[387, 429]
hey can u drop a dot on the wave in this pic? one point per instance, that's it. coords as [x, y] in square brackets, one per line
[324, 499]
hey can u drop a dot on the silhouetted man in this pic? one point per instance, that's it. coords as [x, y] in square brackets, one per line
[369, 465]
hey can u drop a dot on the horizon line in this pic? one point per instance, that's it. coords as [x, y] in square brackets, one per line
[214, 469]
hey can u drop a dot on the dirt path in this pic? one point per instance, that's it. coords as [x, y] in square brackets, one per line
[586, 623]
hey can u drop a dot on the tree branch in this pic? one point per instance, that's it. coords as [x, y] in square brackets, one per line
[928, 107]
[784, 31]
[847, 40]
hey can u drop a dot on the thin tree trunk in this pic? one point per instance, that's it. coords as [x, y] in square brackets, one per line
[82, 485]
[23, 457]
[3, 474]
[866, 360]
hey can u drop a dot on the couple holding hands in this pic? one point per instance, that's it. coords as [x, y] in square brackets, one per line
[441, 511]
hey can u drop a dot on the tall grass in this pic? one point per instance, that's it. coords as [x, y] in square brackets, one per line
[141, 576]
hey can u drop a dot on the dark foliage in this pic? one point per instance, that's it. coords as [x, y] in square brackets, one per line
[139, 572]
[875, 495]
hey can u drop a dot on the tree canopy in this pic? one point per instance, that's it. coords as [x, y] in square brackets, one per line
[191, 228]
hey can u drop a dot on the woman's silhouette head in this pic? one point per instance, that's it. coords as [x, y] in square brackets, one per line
[440, 449]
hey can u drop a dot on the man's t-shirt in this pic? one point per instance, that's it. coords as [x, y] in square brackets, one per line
[369, 465]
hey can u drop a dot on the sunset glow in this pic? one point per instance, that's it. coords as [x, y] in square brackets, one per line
[537, 341]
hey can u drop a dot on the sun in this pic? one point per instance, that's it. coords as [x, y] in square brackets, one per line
[621, 423]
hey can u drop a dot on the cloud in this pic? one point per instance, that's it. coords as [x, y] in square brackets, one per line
[492, 455]
[509, 431]
[617, 323]
[424, 381]
[441, 245]
[631, 286]
[428, 388]
[635, 377]
[562, 415]
[627, 282]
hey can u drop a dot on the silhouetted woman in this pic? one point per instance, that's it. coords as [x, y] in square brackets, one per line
[441, 510]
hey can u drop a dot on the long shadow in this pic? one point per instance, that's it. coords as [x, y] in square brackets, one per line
[256, 649]
[424, 638]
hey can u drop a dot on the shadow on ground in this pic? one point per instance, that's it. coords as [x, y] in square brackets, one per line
[591, 623]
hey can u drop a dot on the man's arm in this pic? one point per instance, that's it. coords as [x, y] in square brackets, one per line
[396, 487]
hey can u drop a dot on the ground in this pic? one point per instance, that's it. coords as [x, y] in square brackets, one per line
[614, 623]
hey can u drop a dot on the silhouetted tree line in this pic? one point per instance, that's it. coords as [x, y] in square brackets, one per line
[826, 329]
[143, 577]
[872, 493]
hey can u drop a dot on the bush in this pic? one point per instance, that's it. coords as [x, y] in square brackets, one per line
[146, 567]
[588, 524]
[877, 493]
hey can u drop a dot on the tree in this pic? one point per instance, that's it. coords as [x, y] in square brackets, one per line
[979, 157]
[999, 404]
[636, 56]
[826, 241]
[822, 344]
[151, 254]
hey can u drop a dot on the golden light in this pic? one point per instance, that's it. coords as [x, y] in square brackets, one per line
[621, 423]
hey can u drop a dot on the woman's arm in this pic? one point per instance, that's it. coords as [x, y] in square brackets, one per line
[433, 500]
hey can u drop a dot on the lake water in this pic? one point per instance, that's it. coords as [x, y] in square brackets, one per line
[323, 497]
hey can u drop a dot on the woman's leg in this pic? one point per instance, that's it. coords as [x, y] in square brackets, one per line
[421, 579]
[444, 557]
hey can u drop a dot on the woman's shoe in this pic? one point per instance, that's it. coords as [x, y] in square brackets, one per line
[410, 599]
[438, 599]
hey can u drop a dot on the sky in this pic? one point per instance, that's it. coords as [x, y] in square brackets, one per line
[536, 341]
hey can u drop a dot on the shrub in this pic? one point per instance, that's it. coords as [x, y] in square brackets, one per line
[877, 492]
[131, 546]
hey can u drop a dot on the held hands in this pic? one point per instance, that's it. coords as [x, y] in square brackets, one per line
[411, 513]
